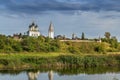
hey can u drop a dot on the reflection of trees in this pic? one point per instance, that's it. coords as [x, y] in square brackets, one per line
[115, 78]
[33, 75]
[94, 70]
[11, 72]
[50, 75]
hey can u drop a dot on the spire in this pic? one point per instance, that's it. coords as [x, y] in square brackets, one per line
[51, 29]
[99, 40]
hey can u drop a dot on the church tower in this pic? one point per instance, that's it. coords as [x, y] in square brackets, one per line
[51, 31]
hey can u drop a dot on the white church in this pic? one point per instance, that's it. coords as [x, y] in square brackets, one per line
[34, 30]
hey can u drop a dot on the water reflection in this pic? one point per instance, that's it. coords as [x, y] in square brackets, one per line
[33, 75]
[50, 75]
[62, 74]
[115, 78]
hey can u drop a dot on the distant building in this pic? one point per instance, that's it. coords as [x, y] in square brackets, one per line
[60, 37]
[17, 36]
[33, 30]
[73, 36]
[51, 31]
[99, 40]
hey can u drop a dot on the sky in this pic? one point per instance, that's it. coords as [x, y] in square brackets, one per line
[93, 17]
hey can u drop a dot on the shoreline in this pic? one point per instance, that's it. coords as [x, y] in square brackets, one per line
[57, 60]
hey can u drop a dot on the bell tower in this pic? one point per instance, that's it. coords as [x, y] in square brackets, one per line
[51, 31]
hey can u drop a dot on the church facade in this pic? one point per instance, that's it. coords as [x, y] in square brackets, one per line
[33, 30]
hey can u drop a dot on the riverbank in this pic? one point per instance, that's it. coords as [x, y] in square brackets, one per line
[57, 60]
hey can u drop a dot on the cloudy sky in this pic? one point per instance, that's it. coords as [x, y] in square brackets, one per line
[93, 17]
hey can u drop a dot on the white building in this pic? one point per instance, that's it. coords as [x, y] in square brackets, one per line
[51, 31]
[33, 30]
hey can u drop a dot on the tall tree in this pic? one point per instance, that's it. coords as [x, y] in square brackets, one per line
[107, 35]
[114, 42]
[83, 36]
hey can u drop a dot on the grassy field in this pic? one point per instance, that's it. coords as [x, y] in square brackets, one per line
[36, 60]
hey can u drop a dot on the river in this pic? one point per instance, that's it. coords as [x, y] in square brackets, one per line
[62, 74]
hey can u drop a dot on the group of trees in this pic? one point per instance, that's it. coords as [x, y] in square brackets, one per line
[28, 44]
[112, 41]
[45, 44]
[107, 44]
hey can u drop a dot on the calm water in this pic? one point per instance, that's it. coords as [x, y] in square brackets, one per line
[62, 74]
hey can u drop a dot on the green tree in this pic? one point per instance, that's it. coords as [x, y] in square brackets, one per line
[41, 39]
[17, 46]
[29, 44]
[107, 35]
[114, 42]
[99, 48]
[83, 36]
[2, 42]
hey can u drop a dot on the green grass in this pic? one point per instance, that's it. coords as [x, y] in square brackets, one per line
[35, 60]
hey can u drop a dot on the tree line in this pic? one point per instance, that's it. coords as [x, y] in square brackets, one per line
[28, 44]
[45, 44]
